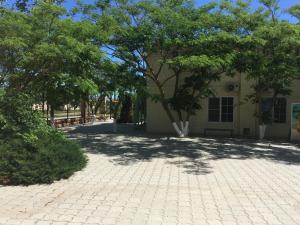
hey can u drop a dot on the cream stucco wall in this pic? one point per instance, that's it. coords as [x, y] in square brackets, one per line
[158, 122]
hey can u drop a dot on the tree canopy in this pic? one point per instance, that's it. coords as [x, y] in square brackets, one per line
[199, 45]
[117, 45]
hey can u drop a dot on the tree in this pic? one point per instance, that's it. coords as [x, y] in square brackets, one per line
[48, 55]
[272, 59]
[26, 5]
[295, 11]
[126, 110]
[13, 43]
[123, 81]
[182, 39]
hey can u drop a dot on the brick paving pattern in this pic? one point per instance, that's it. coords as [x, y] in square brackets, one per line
[140, 180]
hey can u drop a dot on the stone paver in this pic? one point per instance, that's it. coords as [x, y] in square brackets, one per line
[139, 180]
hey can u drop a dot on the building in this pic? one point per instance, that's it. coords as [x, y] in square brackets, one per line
[227, 110]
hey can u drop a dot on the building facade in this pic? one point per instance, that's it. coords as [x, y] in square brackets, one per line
[228, 109]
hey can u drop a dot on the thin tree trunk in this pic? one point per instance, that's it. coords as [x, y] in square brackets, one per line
[88, 109]
[47, 112]
[67, 111]
[83, 110]
[98, 104]
[115, 116]
[43, 105]
[52, 114]
[110, 107]
[165, 106]
[186, 125]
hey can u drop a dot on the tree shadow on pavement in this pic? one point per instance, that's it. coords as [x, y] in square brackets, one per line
[129, 146]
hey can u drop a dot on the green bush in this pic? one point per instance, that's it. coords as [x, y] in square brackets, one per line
[31, 152]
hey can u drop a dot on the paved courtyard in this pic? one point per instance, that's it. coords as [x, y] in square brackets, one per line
[141, 180]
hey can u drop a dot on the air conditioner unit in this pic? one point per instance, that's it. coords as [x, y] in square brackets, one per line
[233, 87]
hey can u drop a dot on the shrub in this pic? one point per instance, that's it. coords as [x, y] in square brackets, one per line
[31, 152]
[126, 111]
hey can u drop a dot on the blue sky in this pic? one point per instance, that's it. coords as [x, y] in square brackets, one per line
[284, 4]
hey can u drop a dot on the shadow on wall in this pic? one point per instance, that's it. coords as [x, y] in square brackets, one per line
[129, 146]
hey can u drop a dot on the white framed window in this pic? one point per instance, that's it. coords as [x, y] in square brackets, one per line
[220, 109]
[279, 111]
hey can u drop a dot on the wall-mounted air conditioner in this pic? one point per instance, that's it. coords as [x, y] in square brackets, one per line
[233, 87]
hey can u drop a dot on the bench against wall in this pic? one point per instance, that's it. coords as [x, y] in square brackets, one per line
[216, 129]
